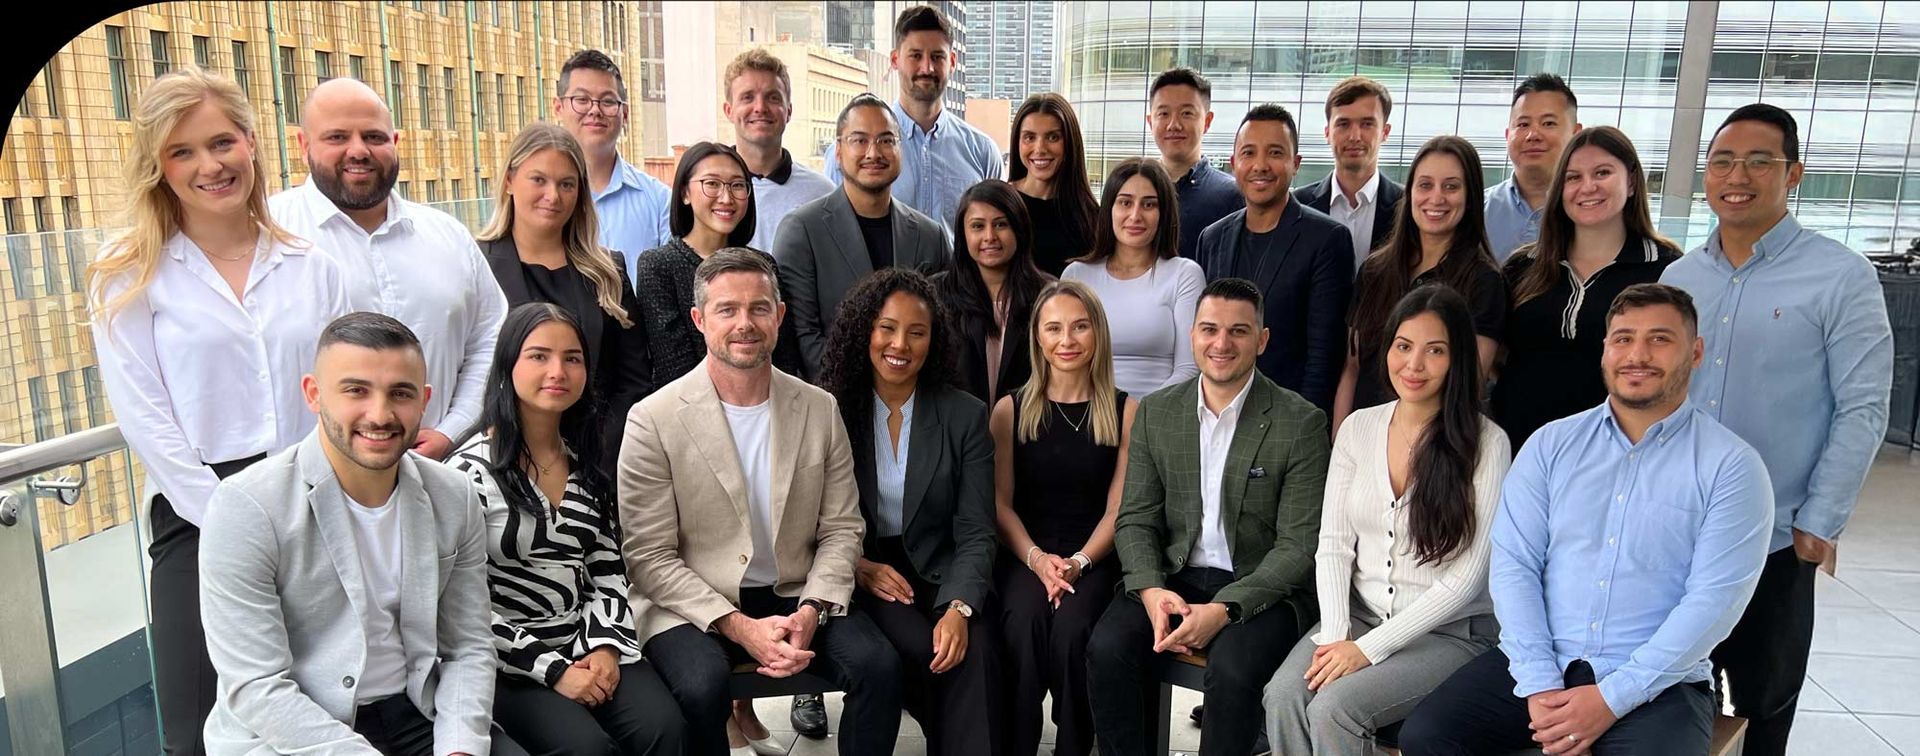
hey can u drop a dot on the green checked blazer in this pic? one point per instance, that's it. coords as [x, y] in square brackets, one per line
[1276, 475]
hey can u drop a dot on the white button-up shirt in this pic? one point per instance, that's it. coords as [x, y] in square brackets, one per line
[1216, 438]
[196, 375]
[1357, 216]
[420, 267]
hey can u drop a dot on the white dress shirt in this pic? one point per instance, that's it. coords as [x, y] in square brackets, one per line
[1357, 216]
[890, 468]
[1216, 438]
[422, 268]
[1365, 547]
[196, 375]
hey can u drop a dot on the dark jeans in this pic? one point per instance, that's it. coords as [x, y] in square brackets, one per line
[1765, 657]
[395, 727]
[850, 651]
[1476, 712]
[1125, 672]
[954, 708]
[1046, 651]
[183, 678]
[640, 718]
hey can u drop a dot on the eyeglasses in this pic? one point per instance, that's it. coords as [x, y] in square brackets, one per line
[583, 104]
[711, 188]
[1757, 165]
[860, 142]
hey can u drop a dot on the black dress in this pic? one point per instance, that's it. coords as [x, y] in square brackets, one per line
[1056, 239]
[1554, 340]
[1486, 302]
[1060, 483]
[664, 278]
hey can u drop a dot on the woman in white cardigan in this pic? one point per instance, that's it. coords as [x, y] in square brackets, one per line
[1401, 568]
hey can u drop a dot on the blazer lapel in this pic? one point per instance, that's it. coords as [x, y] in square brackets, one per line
[1386, 203]
[1248, 433]
[1285, 234]
[706, 424]
[906, 243]
[504, 258]
[924, 448]
[329, 504]
[420, 579]
[789, 430]
[844, 226]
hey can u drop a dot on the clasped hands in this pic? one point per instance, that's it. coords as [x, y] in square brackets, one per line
[780, 643]
[1056, 572]
[1199, 623]
[591, 679]
[1566, 722]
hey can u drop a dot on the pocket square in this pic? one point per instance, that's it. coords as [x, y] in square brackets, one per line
[1258, 472]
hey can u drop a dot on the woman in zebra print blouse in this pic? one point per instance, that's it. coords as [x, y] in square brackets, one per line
[571, 677]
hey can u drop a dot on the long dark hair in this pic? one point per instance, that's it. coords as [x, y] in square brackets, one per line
[507, 456]
[680, 218]
[1388, 272]
[1557, 230]
[964, 292]
[846, 371]
[1070, 179]
[1440, 481]
[1166, 238]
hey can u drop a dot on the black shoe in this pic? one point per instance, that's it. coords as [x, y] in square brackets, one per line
[1198, 713]
[810, 715]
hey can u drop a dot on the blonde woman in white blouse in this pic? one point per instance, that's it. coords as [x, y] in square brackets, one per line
[205, 317]
[1401, 569]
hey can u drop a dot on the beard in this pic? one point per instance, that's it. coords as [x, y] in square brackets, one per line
[341, 439]
[760, 356]
[335, 190]
[873, 187]
[924, 88]
[1673, 388]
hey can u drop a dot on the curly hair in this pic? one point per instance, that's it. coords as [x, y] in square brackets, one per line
[845, 369]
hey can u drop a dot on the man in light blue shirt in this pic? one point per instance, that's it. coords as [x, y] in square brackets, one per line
[941, 155]
[1629, 539]
[1543, 117]
[591, 102]
[1799, 363]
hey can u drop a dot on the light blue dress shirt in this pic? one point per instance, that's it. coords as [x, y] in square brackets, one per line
[633, 213]
[1511, 222]
[1638, 558]
[936, 166]
[890, 468]
[1799, 362]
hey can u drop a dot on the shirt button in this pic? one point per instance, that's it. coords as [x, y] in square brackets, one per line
[1718, 361]
[744, 559]
[1593, 626]
[1389, 590]
[1723, 318]
[1713, 402]
[1736, 279]
[263, 375]
[1610, 541]
[1389, 563]
[1619, 497]
[1603, 584]
[347, 681]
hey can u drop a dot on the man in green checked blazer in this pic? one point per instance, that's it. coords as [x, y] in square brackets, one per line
[1216, 535]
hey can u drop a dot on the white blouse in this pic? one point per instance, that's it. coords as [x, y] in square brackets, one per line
[196, 375]
[1365, 547]
[1150, 319]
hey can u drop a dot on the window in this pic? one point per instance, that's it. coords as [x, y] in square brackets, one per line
[96, 395]
[162, 58]
[70, 400]
[520, 98]
[322, 66]
[500, 99]
[76, 246]
[494, 5]
[117, 71]
[49, 252]
[446, 83]
[514, 11]
[397, 87]
[486, 188]
[17, 250]
[240, 67]
[480, 102]
[357, 67]
[400, 189]
[202, 54]
[455, 196]
[50, 81]
[42, 414]
[426, 95]
[433, 190]
[290, 84]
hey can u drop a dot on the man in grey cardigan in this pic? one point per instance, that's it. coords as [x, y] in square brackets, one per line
[347, 607]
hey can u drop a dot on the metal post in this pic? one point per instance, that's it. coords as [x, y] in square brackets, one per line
[539, 66]
[386, 54]
[279, 97]
[1689, 110]
[34, 721]
[473, 103]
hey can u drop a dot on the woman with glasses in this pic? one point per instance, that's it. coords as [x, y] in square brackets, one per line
[541, 244]
[1049, 167]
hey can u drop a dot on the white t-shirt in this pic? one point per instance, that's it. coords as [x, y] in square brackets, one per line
[376, 535]
[753, 445]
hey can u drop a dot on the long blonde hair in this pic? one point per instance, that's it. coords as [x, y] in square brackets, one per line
[1033, 396]
[581, 235]
[152, 212]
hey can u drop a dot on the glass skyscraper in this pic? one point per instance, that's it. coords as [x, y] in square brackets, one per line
[1664, 72]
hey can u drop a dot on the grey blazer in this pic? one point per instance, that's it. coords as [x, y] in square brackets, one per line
[822, 255]
[280, 593]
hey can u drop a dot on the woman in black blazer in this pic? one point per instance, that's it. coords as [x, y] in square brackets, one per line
[923, 458]
[989, 289]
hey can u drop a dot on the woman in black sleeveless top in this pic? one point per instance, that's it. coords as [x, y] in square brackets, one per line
[1059, 462]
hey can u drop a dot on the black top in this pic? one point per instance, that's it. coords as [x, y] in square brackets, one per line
[665, 275]
[878, 234]
[1060, 479]
[1056, 239]
[1206, 194]
[1554, 340]
[1259, 251]
[970, 347]
[1486, 300]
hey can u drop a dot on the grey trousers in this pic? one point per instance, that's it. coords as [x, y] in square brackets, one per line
[1341, 718]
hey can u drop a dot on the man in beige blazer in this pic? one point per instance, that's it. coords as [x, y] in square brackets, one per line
[742, 523]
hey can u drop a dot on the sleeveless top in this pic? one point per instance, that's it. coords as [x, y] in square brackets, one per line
[1060, 479]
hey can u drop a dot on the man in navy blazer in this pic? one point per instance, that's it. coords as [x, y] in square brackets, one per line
[1301, 260]
[1356, 193]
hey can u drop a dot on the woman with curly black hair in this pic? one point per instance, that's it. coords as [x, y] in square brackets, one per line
[924, 463]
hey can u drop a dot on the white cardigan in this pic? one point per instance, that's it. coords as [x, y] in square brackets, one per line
[1365, 547]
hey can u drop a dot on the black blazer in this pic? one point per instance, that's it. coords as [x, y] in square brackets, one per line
[1386, 201]
[970, 351]
[1305, 293]
[947, 513]
[622, 369]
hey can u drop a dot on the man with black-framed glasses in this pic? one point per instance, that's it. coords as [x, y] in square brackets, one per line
[591, 102]
[1799, 363]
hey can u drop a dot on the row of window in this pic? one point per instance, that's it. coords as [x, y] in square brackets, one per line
[77, 389]
[72, 246]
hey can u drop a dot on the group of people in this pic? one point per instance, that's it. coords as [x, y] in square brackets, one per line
[1466, 469]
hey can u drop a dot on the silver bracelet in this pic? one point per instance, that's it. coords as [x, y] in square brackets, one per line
[1030, 550]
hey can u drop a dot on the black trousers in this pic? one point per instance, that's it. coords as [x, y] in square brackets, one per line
[1765, 657]
[1045, 651]
[954, 708]
[850, 651]
[183, 676]
[395, 727]
[1125, 672]
[640, 718]
[1476, 712]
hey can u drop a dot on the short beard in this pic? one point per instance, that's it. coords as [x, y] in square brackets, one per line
[335, 190]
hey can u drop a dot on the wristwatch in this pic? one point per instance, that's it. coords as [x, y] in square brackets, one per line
[961, 607]
[1081, 559]
[822, 608]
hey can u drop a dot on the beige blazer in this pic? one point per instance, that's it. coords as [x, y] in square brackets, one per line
[684, 511]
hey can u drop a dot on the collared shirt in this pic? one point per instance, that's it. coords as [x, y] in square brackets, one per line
[196, 375]
[1216, 439]
[633, 213]
[1799, 362]
[1206, 194]
[1511, 222]
[890, 468]
[936, 166]
[790, 185]
[1638, 558]
[421, 267]
[1358, 218]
